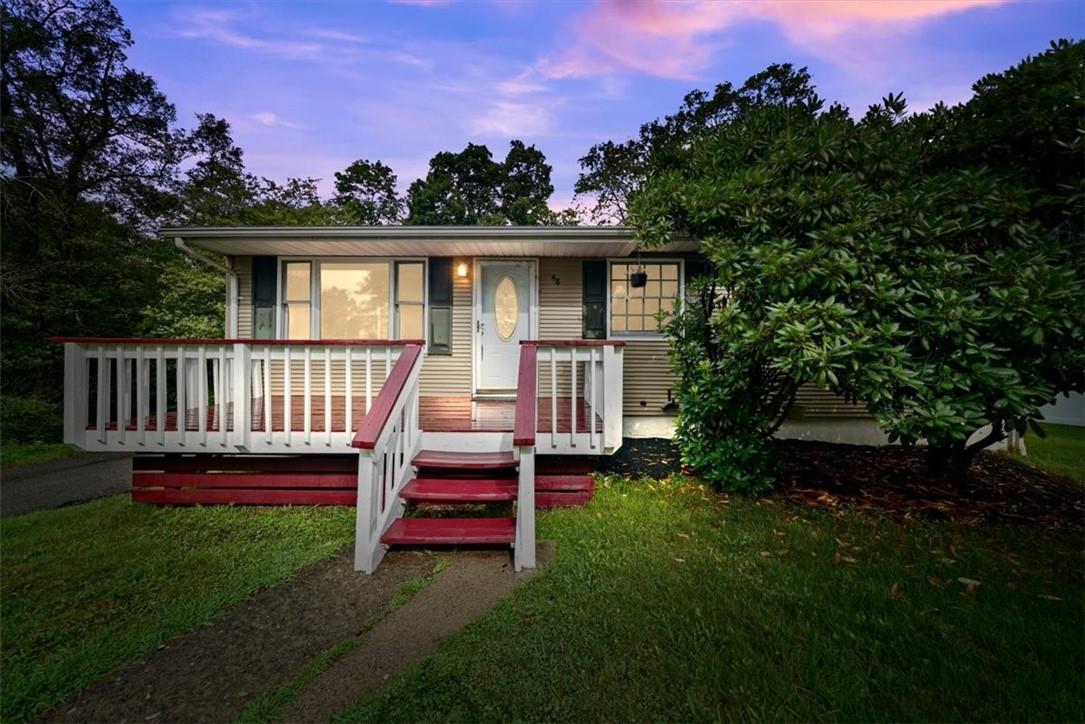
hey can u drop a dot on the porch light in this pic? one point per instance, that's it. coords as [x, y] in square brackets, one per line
[461, 270]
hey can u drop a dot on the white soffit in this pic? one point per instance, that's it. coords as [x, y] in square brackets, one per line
[536, 241]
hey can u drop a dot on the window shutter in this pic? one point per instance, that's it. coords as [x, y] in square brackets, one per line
[594, 288]
[263, 296]
[697, 267]
[440, 305]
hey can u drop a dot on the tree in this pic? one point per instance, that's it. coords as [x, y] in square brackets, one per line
[526, 186]
[366, 191]
[613, 172]
[470, 188]
[217, 189]
[850, 254]
[89, 161]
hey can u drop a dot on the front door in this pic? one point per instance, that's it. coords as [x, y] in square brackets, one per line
[502, 319]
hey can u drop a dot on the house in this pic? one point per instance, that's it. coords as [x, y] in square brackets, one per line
[373, 364]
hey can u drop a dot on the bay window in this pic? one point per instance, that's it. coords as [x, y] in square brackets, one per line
[353, 299]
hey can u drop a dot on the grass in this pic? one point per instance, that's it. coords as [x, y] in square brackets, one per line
[88, 587]
[667, 602]
[1062, 452]
[34, 452]
[270, 706]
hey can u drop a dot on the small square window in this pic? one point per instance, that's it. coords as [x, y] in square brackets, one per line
[633, 309]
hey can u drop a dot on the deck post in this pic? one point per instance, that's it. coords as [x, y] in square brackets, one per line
[613, 374]
[241, 395]
[524, 546]
[368, 550]
[76, 394]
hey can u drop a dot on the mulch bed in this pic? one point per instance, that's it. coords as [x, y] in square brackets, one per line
[894, 480]
[897, 480]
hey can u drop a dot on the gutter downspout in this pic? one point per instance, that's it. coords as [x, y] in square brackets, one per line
[233, 288]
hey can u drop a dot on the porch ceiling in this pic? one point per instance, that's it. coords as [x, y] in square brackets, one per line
[601, 241]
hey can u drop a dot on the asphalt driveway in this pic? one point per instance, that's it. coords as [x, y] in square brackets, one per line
[39, 486]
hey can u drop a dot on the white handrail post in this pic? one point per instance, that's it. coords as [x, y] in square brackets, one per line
[613, 375]
[241, 395]
[76, 394]
[524, 547]
[368, 550]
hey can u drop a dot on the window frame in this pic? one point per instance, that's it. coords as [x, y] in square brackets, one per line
[315, 263]
[650, 334]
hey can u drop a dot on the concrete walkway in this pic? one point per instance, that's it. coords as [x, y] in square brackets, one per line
[39, 486]
[471, 584]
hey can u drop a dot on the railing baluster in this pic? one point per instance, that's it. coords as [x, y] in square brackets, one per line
[328, 394]
[553, 396]
[308, 395]
[102, 421]
[368, 379]
[201, 381]
[224, 390]
[593, 391]
[572, 397]
[160, 394]
[182, 401]
[288, 394]
[141, 396]
[122, 396]
[348, 390]
[267, 394]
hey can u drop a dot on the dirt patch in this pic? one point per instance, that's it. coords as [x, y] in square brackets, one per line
[470, 585]
[210, 674]
[651, 457]
[897, 480]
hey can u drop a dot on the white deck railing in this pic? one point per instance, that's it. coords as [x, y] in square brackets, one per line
[580, 396]
[236, 396]
[387, 441]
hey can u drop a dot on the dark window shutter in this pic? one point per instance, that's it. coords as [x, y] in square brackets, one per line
[594, 287]
[264, 275]
[697, 267]
[440, 305]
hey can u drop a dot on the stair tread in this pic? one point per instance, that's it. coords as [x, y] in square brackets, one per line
[460, 490]
[450, 531]
[464, 460]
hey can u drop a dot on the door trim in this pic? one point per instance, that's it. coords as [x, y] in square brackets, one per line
[476, 314]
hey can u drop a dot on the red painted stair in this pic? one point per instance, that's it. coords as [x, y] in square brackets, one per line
[451, 531]
[465, 490]
[464, 461]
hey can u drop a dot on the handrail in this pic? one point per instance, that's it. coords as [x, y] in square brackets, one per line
[374, 422]
[573, 342]
[524, 428]
[254, 342]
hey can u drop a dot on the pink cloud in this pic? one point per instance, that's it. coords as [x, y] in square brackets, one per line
[678, 39]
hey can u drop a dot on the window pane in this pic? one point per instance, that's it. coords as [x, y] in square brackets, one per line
[670, 271]
[410, 321]
[650, 324]
[636, 324]
[651, 306]
[618, 288]
[409, 282]
[354, 300]
[651, 289]
[617, 324]
[297, 282]
[669, 290]
[297, 321]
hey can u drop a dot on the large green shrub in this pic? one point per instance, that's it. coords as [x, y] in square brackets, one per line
[868, 256]
[27, 420]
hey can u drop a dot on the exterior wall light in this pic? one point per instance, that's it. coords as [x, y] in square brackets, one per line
[461, 270]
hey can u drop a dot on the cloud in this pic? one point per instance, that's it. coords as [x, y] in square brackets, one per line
[678, 39]
[511, 119]
[272, 120]
[219, 26]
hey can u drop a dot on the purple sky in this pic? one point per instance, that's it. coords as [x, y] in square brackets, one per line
[310, 86]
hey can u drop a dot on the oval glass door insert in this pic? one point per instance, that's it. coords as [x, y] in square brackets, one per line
[506, 308]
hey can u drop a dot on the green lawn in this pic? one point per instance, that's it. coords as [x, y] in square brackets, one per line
[34, 452]
[88, 587]
[669, 603]
[1062, 452]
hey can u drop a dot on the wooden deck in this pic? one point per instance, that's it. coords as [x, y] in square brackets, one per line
[437, 414]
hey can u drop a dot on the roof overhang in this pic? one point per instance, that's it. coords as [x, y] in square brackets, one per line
[597, 241]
